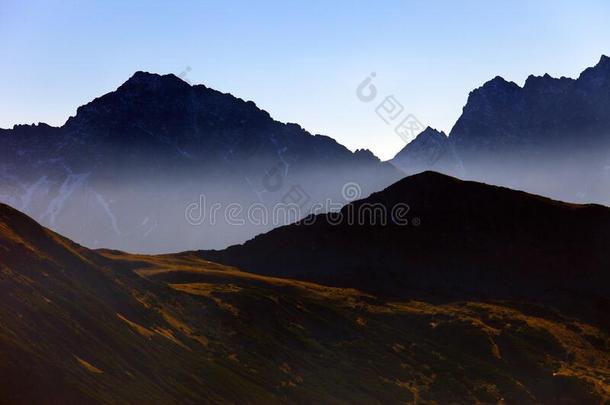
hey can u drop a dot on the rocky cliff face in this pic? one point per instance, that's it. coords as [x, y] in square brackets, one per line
[546, 112]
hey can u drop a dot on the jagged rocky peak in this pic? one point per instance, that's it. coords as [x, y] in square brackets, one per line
[495, 90]
[153, 80]
[533, 80]
[547, 84]
[432, 133]
[365, 154]
[508, 127]
[40, 125]
[500, 84]
[598, 75]
[499, 102]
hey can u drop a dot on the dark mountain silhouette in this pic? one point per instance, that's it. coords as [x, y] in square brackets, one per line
[463, 239]
[550, 137]
[130, 163]
[82, 326]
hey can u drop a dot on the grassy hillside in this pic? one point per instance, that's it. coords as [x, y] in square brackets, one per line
[110, 327]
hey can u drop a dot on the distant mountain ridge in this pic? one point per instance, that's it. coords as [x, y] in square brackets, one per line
[130, 162]
[551, 137]
[545, 111]
[170, 113]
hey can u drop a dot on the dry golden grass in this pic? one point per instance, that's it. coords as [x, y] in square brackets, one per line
[207, 290]
[88, 366]
[192, 331]
[137, 327]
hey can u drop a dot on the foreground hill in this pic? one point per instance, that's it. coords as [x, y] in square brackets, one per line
[106, 327]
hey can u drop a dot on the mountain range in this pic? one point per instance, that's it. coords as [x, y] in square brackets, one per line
[141, 168]
[130, 163]
[352, 324]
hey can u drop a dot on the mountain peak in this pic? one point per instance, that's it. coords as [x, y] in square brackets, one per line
[598, 74]
[499, 81]
[496, 89]
[153, 80]
[429, 175]
[427, 178]
[144, 94]
[545, 76]
[429, 131]
[604, 63]
[547, 83]
[366, 154]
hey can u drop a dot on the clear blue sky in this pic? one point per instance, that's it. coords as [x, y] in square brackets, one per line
[301, 61]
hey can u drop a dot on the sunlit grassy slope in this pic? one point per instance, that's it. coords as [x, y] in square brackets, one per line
[78, 325]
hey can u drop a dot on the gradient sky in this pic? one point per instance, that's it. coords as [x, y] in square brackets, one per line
[301, 61]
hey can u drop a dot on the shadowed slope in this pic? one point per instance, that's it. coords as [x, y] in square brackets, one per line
[105, 327]
[76, 331]
[463, 239]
